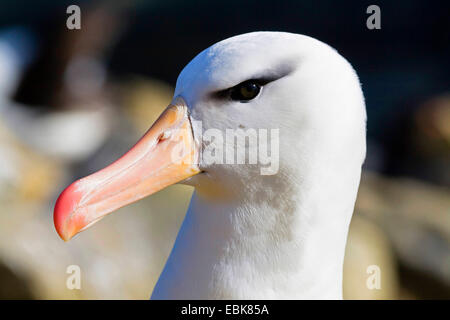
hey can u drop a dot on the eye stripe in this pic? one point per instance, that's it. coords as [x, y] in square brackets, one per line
[262, 78]
[226, 93]
[233, 92]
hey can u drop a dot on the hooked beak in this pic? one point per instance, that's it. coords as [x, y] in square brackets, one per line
[165, 155]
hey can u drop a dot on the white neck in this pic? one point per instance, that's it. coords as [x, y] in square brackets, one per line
[275, 249]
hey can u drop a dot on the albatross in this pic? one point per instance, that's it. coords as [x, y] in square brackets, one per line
[247, 234]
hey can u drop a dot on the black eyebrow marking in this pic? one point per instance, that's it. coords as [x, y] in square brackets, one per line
[262, 78]
[226, 92]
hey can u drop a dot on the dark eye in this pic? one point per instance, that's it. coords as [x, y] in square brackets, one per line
[245, 91]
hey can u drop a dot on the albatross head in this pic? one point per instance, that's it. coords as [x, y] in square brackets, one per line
[294, 107]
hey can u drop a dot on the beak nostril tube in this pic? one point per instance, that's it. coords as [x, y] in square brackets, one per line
[164, 136]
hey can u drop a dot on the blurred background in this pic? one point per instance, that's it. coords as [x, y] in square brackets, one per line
[72, 101]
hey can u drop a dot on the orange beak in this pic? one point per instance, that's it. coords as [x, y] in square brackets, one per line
[165, 155]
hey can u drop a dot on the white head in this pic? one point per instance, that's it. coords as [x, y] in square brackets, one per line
[308, 91]
[248, 234]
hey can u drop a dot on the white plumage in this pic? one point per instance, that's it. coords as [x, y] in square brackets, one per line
[282, 236]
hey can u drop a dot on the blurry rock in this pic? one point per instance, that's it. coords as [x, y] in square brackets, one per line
[144, 100]
[68, 136]
[416, 218]
[431, 137]
[367, 246]
[432, 126]
[24, 174]
[419, 145]
[13, 286]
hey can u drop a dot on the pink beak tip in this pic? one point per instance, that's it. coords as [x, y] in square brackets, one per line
[64, 208]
